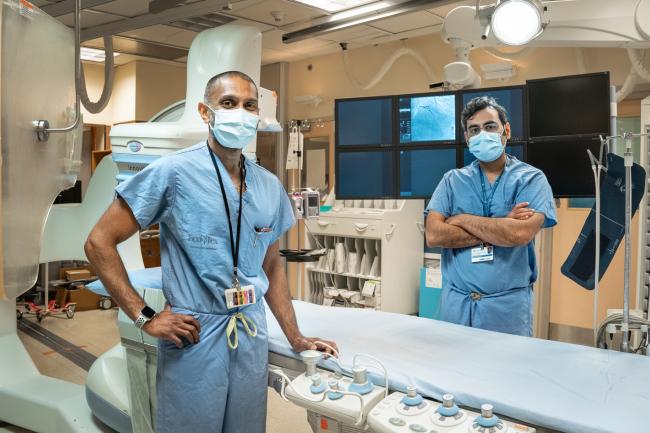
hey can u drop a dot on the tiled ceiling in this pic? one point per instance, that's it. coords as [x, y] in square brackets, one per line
[272, 17]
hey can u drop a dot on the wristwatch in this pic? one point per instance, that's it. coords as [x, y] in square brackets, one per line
[146, 315]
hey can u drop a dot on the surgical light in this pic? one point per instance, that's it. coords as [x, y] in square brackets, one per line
[517, 22]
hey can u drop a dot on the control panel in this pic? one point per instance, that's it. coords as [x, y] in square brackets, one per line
[326, 393]
[410, 413]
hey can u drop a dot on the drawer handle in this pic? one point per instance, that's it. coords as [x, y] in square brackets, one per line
[360, 227]
[323, 223]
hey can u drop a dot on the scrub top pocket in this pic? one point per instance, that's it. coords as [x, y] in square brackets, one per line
[254, 249]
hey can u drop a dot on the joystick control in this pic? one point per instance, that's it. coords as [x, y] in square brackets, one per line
[448, 414]
[361, 384]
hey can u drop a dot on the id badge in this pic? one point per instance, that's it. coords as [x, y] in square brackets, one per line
[483, 254]
[240, 297]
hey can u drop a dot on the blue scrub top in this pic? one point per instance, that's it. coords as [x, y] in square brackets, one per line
[182, 194]
[513, 268]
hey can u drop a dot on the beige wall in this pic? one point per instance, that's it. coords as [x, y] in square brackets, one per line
[121, 106]
[140, 90]
[157, 86]
[327, 77]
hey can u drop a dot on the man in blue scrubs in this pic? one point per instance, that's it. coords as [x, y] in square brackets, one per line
[485, 217]
[220, 217]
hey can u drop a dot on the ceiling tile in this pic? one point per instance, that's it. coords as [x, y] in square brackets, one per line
[407, 22]
[354, 33]
[261, 12]
[164, 34]
[89, 18]
[408, 34]
[260, 26]
[127, 8]
[442, 11]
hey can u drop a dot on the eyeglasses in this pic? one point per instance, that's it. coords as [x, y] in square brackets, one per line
[489, 127]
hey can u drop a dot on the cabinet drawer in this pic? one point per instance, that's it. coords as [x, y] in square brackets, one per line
[346, 227]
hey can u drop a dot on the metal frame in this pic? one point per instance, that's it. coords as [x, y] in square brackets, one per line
[165, 17]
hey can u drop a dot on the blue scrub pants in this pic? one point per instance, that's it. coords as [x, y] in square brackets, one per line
[510, 311]
[210, 388]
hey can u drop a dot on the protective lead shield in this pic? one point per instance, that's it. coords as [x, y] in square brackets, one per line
[36, 83]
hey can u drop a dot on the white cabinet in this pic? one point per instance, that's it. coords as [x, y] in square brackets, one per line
[373, 257]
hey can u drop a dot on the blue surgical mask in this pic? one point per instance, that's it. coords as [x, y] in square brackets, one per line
[486, 146]
[234, 128]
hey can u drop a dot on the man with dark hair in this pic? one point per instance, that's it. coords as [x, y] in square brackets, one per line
[220, 217]
[485, 217]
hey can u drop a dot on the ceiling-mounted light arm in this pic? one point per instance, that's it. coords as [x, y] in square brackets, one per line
[42, 127]
[484, 17]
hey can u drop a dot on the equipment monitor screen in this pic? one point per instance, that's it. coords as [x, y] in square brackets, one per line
[427, 119]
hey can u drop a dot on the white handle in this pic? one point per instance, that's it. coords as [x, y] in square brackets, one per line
[360, 227]
[390, 231]
[420, 226]
[323, 223]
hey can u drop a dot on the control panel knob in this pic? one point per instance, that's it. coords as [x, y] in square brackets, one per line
[317, 385]
[487, 411]
[487, 419]
[360, 384]
[335, 388]
[411, 391]
[311, 358]
[448, 400]
[448, 407]
[412, 398]
[360, 375]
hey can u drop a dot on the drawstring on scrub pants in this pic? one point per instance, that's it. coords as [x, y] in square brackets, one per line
[231, 329]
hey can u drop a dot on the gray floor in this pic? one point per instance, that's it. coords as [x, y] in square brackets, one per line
[96, 331]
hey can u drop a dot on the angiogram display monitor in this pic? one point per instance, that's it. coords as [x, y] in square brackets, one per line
[422, 169]
[364, 122]
[512, 99]
[575, 105]
[428, 118]
[365, 174]
[566, 165]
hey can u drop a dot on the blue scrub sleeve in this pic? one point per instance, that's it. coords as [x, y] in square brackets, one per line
[150, 193]
[537, 192]
[284, 219]
[441, 199]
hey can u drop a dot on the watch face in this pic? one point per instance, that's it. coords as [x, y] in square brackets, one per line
[148, 312]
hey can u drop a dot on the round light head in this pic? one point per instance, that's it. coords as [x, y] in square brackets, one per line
[516, 22]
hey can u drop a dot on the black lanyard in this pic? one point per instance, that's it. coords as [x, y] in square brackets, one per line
[234, 243]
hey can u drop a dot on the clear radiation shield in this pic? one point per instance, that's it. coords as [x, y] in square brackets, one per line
[36, 83]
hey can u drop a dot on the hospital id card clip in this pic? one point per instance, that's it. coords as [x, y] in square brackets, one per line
[240, 296]
[484, 253]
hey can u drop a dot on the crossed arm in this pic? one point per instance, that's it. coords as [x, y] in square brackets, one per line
[464, 230]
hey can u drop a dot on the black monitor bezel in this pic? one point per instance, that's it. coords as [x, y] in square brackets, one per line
[569, 136]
